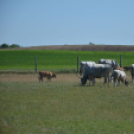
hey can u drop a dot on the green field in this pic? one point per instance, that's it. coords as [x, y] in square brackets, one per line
[64, 106]
[56, 59]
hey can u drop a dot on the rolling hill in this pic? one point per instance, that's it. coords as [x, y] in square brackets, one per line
[80, 47]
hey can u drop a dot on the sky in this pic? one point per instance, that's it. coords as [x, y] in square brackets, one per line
[71, 22]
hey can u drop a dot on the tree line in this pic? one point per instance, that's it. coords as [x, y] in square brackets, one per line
[4, 45]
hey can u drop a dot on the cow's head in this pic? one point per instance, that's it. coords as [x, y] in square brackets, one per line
[54, 75]
[126, 83]
[83, 80]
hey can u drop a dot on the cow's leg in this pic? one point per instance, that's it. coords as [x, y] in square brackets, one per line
[108, 80]
[118, 82]
[89, 81]
[108, 77]
[132, 74]
[105, 80]
[115, 81]
[93, 81]
[89, 78]
[40, 78]
[124, 81]
[132, 78]
[49, 78]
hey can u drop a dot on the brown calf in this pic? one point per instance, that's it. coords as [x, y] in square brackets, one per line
[46, 74]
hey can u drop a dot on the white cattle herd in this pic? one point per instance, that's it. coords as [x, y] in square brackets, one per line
[107, 68]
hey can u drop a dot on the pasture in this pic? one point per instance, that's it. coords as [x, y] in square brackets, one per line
[64, 106]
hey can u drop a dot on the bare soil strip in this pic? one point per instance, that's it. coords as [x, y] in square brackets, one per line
[34, 78]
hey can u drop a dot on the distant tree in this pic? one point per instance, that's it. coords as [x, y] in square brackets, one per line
[90, 43]
[4, 45]
[14, 46]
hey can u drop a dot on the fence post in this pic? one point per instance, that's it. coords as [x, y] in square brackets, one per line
[35, 63]
[77, 64]
[120, 60]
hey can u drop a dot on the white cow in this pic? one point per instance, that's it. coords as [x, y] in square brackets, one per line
[96, 71]
[85, 64]
[110, 62]
[120, 76]
[132, 72]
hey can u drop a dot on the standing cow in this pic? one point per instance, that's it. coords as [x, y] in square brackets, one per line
[120, 76]
[46, 74]
[131, 69]
[96, 71]
[111, 62]
[132, 72]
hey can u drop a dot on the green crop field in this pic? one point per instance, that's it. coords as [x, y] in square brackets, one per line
[56, 59]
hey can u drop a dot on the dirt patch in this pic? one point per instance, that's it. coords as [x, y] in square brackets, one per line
[34, 78]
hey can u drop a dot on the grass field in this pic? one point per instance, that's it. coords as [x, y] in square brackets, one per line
[58, 60]
[64, 106]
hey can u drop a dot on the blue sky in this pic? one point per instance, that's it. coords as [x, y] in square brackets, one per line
[59, 22]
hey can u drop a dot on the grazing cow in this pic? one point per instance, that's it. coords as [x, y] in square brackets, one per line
[132, 72]
[120, 76]
[113, 63]
[96, 71]
[85, 64]
[46, 74]
[116, 68]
